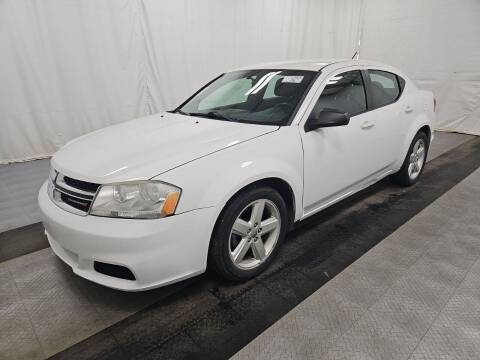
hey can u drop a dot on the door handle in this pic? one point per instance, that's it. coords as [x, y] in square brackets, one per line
[408, 109]
[367, 125]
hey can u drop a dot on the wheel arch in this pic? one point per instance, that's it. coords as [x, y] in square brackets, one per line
[279, 184]
[427, 130]
[421, 126]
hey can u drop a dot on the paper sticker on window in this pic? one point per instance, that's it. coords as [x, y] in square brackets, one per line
[292, 79]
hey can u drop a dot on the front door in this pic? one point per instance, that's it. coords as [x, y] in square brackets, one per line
[339, 159]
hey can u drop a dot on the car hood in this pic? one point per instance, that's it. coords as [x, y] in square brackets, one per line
[143, 148]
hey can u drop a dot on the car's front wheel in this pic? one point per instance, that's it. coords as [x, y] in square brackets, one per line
[248, 233]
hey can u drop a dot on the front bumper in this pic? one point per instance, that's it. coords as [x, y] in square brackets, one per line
[157, 252]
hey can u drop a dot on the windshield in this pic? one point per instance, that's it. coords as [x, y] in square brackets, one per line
[268, 97]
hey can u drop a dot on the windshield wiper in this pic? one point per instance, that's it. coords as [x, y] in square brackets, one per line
[210, 115]
[178, 111]
[213, 115]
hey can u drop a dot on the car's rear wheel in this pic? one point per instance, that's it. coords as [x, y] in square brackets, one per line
[414, 162]
[248, 233]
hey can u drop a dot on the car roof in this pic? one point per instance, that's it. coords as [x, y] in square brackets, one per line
[311, 64]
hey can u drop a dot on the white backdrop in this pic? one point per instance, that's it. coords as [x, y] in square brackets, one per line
[70, 66]
[437, 43]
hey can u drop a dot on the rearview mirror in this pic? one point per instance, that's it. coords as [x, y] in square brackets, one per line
[326, 118]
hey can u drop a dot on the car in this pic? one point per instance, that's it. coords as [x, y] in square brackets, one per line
[217, 182]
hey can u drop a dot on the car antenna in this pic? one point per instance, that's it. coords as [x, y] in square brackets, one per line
[353, 57]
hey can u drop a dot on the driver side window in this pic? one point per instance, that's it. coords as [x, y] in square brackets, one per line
[344, 92]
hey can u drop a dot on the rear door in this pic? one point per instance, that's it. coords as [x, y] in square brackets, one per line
[391, 112]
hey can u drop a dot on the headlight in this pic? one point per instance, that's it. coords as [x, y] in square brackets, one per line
[136, 200]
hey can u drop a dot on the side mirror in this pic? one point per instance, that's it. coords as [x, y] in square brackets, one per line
[326, 118]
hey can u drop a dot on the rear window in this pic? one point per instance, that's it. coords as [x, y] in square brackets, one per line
[384, 86]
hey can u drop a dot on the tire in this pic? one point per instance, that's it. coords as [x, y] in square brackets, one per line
[414, 162]
[236, 253]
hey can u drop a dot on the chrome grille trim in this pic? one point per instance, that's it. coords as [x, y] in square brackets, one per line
[62, 185]
[73, 193]
[69, 198]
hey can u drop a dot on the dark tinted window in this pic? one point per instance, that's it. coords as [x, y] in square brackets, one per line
[385, 89]
[344, 92]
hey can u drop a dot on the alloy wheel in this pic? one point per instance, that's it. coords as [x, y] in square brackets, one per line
[417, 159]
[254, 234]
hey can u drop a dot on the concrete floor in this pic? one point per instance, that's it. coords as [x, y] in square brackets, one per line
[399, 300]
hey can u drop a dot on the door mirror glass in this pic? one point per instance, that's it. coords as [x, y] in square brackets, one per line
[326, 118]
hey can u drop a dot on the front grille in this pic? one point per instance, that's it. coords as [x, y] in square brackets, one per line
[82, 185]
[79, 204]
[75, 196]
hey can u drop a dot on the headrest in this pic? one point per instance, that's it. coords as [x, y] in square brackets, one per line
[285, 89]
[378, 85]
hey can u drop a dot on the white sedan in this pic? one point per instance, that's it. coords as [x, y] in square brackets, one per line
[219, 180]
